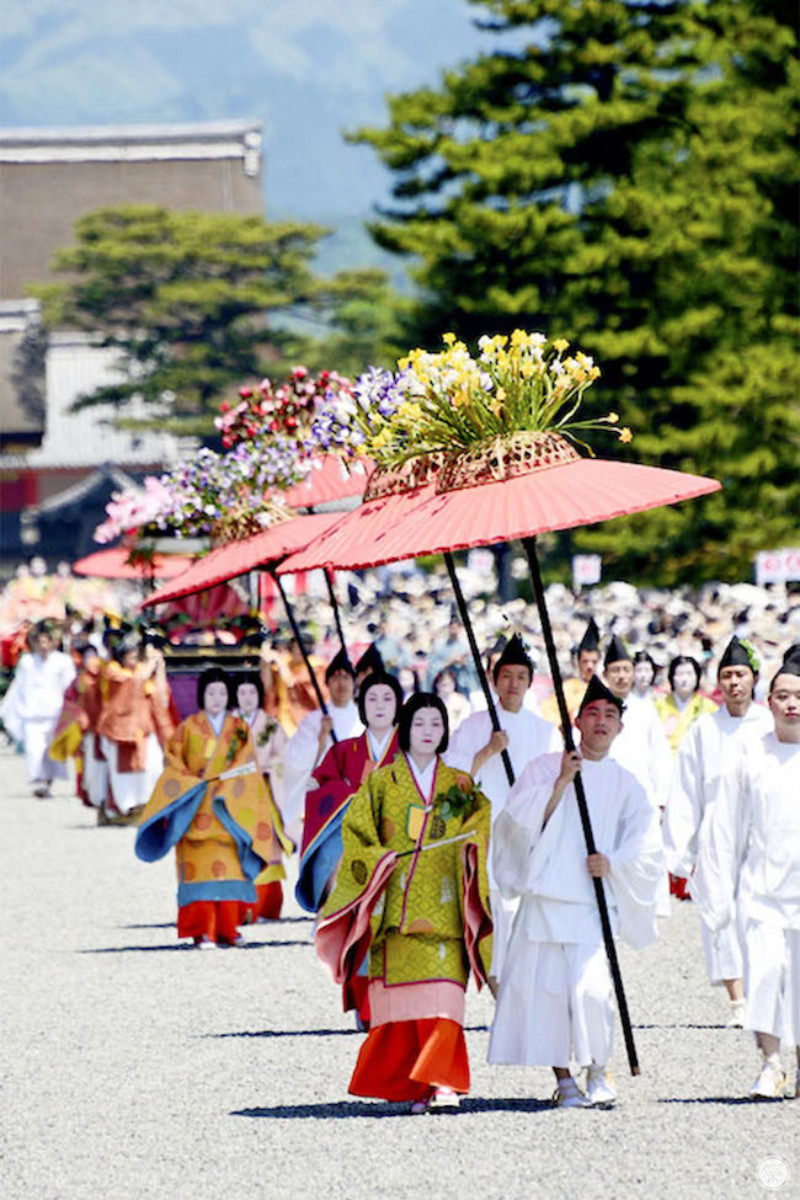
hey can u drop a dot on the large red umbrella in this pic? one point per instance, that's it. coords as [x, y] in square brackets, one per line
[558, 495]
[425, 521]
[113, 564]
[238, 557]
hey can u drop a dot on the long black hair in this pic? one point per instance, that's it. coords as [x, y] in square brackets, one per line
[409, 710]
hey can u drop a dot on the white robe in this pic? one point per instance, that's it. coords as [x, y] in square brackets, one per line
[643, 748]
[555, 992]
[708, 753]
[748, 869]
[528, 737]
[302, 755]
[707, 757]
[39, 686]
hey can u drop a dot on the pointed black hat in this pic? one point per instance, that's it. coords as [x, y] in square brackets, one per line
[790, 664]
[792, 654]
[617, 651]
[370, 660]
[591, 637]
[738, 654]
[597, 690]
[339, 662]
[514, 654]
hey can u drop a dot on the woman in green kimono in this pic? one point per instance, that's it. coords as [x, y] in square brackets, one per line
[412, 893]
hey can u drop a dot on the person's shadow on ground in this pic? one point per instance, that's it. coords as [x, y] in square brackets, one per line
[345, 1110]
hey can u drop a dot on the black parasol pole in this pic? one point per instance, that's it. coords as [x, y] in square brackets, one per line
[298, 637]
[335, 606]
[566, 725]
[476, 654]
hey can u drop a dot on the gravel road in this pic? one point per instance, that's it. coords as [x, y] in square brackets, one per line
[133, 1067]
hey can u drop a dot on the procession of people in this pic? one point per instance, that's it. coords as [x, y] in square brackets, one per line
[439, 843]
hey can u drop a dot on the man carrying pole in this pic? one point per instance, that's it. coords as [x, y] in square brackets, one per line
[555, 1002]
[477, 749]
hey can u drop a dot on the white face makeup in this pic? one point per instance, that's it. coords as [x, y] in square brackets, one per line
[215, 700]
[425, 734]
[380, 706]
[684, 681]
[247, 698]
[642, 676]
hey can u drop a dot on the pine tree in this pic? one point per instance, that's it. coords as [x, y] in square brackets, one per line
[199, 302]
[626, 179]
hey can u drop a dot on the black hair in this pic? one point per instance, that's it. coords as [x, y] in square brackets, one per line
[250, 677]
[214, 675]
[409, 710]
[387, 680]
[679, 661]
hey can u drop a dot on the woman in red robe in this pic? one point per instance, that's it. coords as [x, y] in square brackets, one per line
[339, 776]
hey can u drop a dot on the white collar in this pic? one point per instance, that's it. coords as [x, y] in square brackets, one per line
[217, 722]
[425, 777]
[379, 748]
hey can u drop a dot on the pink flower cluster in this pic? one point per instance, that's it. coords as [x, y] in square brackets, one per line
[133, 510]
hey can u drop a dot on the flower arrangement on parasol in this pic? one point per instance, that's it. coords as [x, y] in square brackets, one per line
[466, 420]
[231, 495]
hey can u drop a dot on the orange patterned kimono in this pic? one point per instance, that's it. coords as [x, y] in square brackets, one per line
[221, 828]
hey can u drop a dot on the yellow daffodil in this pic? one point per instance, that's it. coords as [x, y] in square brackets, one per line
[625, 435]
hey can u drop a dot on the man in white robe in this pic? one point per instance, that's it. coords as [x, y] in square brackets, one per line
[555, 1002]
[642, 746]
[707, 758]
[309, 745]
[749, 867]
[40, 681]
[477, 749]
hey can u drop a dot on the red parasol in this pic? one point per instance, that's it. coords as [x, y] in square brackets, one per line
[113, 564]
[554, 496]
[571, 494]
[238, 557]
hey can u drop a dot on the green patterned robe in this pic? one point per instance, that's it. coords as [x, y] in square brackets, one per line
[423, 917]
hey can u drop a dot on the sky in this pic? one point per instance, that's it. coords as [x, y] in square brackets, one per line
[308, 69]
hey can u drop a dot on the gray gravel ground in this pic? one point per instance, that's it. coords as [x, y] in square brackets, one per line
[135, 1068]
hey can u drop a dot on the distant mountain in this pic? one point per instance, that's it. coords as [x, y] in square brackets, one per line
[309, 69]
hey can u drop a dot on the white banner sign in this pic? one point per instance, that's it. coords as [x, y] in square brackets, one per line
[778, 566]
[586, 569]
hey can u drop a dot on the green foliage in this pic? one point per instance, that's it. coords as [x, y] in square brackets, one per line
[200, 302]
[628, 180]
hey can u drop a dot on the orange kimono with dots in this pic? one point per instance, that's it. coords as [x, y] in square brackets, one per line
[221, 829]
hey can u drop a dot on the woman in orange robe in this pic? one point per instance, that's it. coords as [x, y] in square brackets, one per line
[211, 804]
[134, 724]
